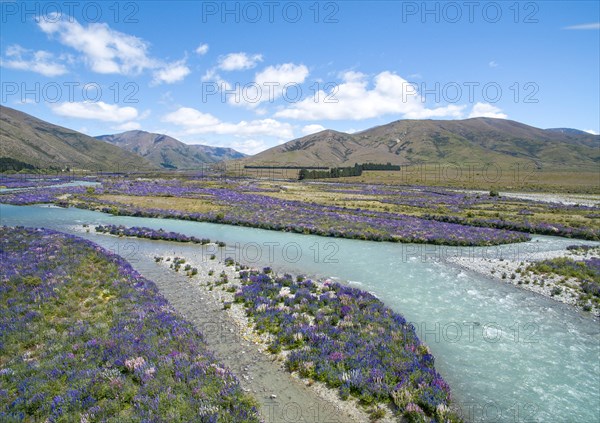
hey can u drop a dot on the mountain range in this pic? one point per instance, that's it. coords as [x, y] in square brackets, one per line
[168, 152]
[486, 140]
[26, 140]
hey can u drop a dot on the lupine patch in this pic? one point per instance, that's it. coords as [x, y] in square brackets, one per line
[149, 233]
[347, 339]
[84, 337]
[267, 212]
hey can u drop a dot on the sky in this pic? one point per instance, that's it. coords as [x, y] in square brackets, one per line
[252, 75]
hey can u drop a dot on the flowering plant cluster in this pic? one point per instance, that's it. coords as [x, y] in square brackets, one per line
[39, 195]
[542, 228]
[587, 271]
[85, 338]
[349, 340]
[268, 212]
[392, 213]
[31, 180]
[149, 233]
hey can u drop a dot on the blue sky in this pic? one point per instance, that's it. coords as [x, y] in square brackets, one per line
[251, 75]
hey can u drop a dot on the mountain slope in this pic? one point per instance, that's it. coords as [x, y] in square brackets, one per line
[486, 140]
[168, 152]
[44, 145]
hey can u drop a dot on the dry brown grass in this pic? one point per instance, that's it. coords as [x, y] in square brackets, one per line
[586, 181]
[191, 205]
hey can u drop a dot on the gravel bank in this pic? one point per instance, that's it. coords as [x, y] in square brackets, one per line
[567, 199]
[284, 397]
[513, 272]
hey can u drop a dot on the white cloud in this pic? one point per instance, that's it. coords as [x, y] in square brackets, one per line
[269, 84]
[105, 50]
[212, 76]
[239, 61]
[108, 51]
[172, 72]
[97, 111]
[194, 122]
[493, 64]
[128, 126]
[590, 131]
[202, 49]
[487, 110]
[287, 73]
[312, 129]
[40, 61]
[189, 117]
[354, 100]
[592, 26]
[249, 146]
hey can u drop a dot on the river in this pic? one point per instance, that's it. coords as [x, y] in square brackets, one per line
[508, 354]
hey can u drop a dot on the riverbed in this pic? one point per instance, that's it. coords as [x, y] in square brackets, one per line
[508, 354]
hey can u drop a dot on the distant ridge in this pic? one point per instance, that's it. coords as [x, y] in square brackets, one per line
[168, 152]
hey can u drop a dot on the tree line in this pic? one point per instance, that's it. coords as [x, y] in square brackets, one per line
[342, 172]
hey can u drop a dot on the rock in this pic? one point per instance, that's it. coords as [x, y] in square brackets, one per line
[273, 396]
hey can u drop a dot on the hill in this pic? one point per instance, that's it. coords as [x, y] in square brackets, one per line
[168, 152]
[26, 139]
[484, 140]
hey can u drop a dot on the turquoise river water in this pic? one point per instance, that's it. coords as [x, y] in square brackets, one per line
[509, 355]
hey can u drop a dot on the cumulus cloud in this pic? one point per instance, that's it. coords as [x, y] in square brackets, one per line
[590, 131]
[105, 50]
[493, 64]
[128, 126]
[202, 49]
[211, 76]
[353, 99]
[40, 61]
[195, 122]
[249, 146]
[270, 84]
[172, 72]
[239, 61]
[312, 129]
[487, 110]
[108, 51]
[96, 111]
[287, 73]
